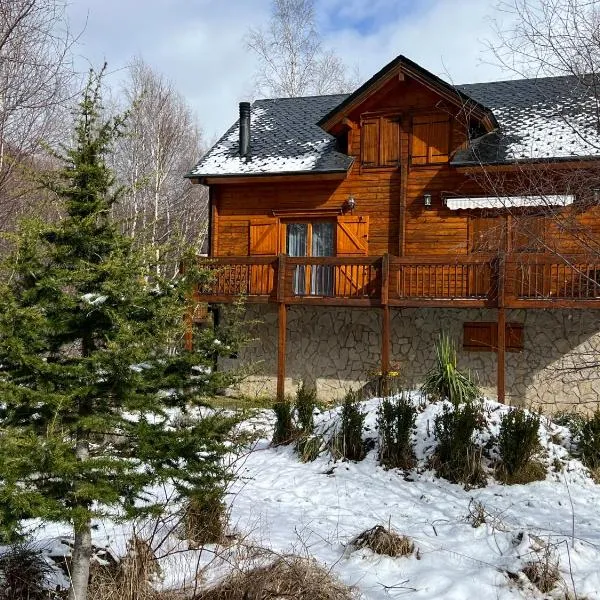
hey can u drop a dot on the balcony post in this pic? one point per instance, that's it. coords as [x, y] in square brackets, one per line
[501, 336]
[385, 323]
[281, 328]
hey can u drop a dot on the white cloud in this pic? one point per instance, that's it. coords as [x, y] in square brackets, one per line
[199, 43]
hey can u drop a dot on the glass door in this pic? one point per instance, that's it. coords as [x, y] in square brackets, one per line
[311, 239]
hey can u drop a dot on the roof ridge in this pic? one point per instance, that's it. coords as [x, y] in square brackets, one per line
[302, 97]
[547, 78]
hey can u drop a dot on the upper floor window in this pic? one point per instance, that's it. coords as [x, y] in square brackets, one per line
[380, 141]
[430, 139]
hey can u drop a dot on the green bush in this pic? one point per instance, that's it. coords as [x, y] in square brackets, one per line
[445, 381]
[457, 458]
[395, 421]
[518, 441]
[349, 439]
[306, 401]
[284, 427]
[589, 441]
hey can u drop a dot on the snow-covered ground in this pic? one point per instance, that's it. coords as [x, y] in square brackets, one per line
[314, 509]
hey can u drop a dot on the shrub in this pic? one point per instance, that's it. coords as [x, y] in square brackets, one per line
[24, 574]
[349, 439]
[589, 441]
[445, 381]
[543, 571]
[284, 427]
[380, 540]
[518, 441]
[309, 447]
[395, 421]
[457, 457]
[306, 401]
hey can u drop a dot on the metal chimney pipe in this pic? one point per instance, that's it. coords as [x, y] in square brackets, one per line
[245, 129]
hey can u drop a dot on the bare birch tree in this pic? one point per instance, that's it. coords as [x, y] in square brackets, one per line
[292, 60]
[161, 209]
[36, 78]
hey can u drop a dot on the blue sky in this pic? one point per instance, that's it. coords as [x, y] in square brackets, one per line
[199, 44]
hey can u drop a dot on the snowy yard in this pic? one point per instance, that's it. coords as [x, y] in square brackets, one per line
[314, 509]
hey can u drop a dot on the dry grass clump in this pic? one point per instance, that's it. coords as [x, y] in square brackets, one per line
[534, 470]
[287, 577]
[130, 580]
[380, 540]
[543, 570]
[205, 518]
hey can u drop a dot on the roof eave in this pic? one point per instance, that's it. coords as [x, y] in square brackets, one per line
[206, 179]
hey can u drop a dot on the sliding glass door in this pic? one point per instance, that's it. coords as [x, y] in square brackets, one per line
[311, 239]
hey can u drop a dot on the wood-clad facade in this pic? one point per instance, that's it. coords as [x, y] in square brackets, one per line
[381, 235]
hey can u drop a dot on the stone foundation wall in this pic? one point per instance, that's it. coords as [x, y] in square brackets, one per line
[335, 349]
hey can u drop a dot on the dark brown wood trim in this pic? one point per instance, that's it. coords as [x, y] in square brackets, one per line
[270, 178]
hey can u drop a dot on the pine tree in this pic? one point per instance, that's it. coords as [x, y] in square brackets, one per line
[92, 362]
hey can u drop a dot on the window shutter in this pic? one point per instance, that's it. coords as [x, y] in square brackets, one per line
[420, 134]
[439, 133]
[352, 236]
[528, 234]
[389, 132]
[486, 234]
[264, 237]
[369, 136]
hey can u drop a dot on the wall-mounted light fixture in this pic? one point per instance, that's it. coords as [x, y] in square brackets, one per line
[427, 200]
[350, 204]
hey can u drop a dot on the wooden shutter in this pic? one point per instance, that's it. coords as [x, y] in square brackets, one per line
[352, 239]
[439, 133]
[369, 141]
[485, 234]
[264, 241]
[264, 236]
[430, 139]
[483, 337]
[420, 134]
[528, 233]
[352, 236]
[389, 142]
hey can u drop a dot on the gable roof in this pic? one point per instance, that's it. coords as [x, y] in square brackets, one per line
[285, 139]
[401, 64]
[548, 118]
[551, 118]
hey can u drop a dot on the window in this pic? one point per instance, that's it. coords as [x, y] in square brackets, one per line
[311, 239]
[380, 141]
[483, 337]
[430, 139]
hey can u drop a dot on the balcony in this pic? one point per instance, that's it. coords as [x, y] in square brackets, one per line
[466, 281]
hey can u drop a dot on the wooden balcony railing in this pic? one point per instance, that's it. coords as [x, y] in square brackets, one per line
[477, 280]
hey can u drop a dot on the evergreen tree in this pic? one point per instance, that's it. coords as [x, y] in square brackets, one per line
[92, 362]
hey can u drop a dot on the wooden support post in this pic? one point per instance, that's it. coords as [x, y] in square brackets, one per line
[501, 353]
[281, 328]
[385, 323]
[281, 348]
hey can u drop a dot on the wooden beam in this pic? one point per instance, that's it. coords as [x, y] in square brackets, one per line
[281, 348]
[281, 178]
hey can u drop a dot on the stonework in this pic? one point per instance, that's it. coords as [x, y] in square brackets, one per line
[335, 349]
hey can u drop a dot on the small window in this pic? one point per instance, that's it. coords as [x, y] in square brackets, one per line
[380, 142]
[430, 139]
[483, 337]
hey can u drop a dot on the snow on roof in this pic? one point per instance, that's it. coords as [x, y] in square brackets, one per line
[509, 201]
[540, 119]
[284, 139]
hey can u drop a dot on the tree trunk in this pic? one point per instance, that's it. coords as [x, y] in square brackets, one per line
[80, 565]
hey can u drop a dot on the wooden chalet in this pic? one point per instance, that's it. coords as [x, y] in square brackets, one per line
[426, 205]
